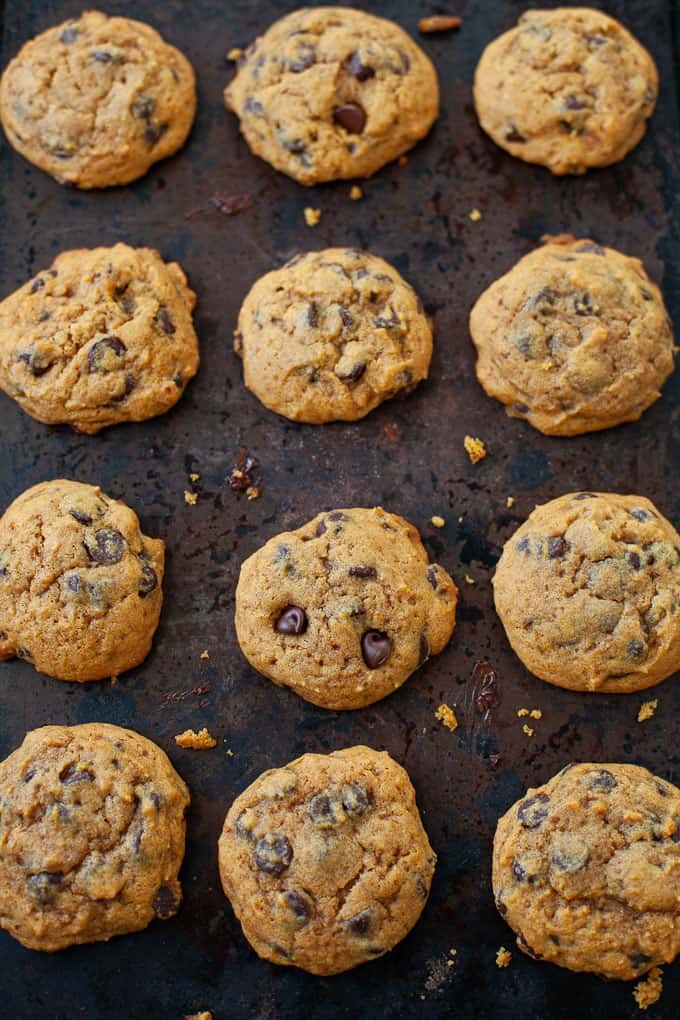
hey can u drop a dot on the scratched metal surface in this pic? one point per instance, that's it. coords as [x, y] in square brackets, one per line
[407, 456]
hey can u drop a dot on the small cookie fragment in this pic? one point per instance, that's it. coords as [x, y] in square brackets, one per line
[475, 449]
[190, 498]
[648, 991]
[447, 717]
[503, 957]
[356, 193]
[438, 521]
[647, 710]
[475, 215]
[438, 23]
[312, 216]
[201, 741]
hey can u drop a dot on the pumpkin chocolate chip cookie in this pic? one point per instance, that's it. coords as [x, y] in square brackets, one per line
[332, 92]
[588, 590]
[96, 101]
[80, 585]
[331, 335]
[91, 836]
[103, 336]
[325, 861]
[586, 870]
[575, 338]
[568, 88]
[344, 609]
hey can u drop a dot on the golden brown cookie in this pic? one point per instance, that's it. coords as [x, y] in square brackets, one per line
[568, 88]
[588, 590]
[97, 100]
[104, 336]
[575, 338]
[344, 609]
[80, 585]
[586, 870]
[325, 861]
[331, 335]
[333, 92]
[91, 836]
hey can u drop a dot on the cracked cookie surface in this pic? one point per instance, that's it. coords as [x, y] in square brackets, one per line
[331, 92]
[91, 835]
[96, 101]
[588, 590]
[575, 338]
[80, 585]
[325, 861]
[331, 335]
[104, 336]
[568, 88]
[345, 608]
[586, 870]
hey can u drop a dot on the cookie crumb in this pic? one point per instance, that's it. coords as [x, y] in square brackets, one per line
[510, 502]
[193, 477]
[521, 712]
[252, 492]
[528, 730]
[648, 991]
[475, 215]
[201, 741]
[474, 448]
[439, 23]
[356, 193]
[230, 753]
[312, 216]
[536, 713]
[503, 957]
[469, 580]
[402, 161]
[205, 654]
[447, 716]
[234, 54]
[191, 498]
[647, 710]
[438, 521]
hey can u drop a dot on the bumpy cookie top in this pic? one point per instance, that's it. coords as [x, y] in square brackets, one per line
[344, 609]
[331, 335]
[91, 835]
[331, 92]
[588, 590]
[326, 861]
[574, 338]
[586, 870]
[80, 585]
[568, 88]
[97, 100]
[103, 336]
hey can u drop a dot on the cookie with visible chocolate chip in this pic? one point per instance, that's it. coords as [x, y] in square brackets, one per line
[586, 870]
[331, 335]
[80, 585]
[568, 88]
[96, 101]
[575, 338]
[326, 861]
[588, 590]
[91, 836]
[345, 608]
[104, 336]
[329, 93]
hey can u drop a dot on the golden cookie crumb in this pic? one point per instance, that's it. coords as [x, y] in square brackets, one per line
[235, 54]
[521, 712]
[547, 365]
[647, 710]
[447, 716]
[648, 991]
[402, 161]
[190, 497]
[536, 713]
[475, 215]
[230, 753]
[438, 521]
[510, 502]
[252, 492]
[469, 580]
[503, 957]
[312, 216]
[201, 741]
[528, 730]
[193, 477]
[438, 23]
[474, 448]
[205, 654]
[356, 193]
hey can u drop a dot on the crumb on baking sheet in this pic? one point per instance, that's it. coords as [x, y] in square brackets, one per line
[205, 1015]
[474, 448]
[647, 710]
[469, 580]
[510, 502]
[229, 753]
[241, 476]
[439, 23]
[402, 161]
[191, 498]
[438, 521]
[205, 654]
[475, 215]
[201, 741]
[355, 193]
[447, 716]
[312, 216]
[648, 991]
[193, 477]
[235, 54]
[252, 492]
[535, 713]
[503, 957]
[528, 730]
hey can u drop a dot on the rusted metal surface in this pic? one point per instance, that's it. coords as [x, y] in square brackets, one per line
[407, 456]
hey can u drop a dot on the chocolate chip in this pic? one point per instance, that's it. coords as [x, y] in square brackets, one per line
[106, 546]
[524, 545]
[639, 960]
[355, 799]
[633, 560]
[72, 774]
[639, 514]
[164, 320]
[391, 322]
[573, 103]
[153, 132]
[25, 654]
[273, 854]
[106, 355]
[74, 583]
[69, 35]
[305, 57]
[37, 285]
[37, 362]
[351, 117]
[148, 581]
[366, 573]
[347, 319]
[581, 304]
[354, 374]
[312, 315]
[518, 871]
[323, 811]
[321, 529]
[646, 294]
[360, 924]
[544, 301]
[602, 779]
[585, 495]
[376, 648]
[433, 577]
[532, 812]
[360, 70]
[45, 886]
[423, 650]
[635, 649]
[591, 246]
[488, 696]
[501, 907]
[557, 547]
[102, 56]
[572, 856]
[253, 105]
[142, 106]
[513, 135]
[522, 942]
[81, 517]
[292, 620]
[165, 902]
[595, 40]
[299, 904]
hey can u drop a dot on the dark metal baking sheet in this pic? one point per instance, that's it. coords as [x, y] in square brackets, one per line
[407, 456]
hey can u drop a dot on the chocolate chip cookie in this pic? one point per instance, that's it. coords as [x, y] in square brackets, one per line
[331, 335]
[586, 870]
[80, 585]
[91, 836]
[326, 861]
[575, 338]
[103, 336]
[97, 100]
[568, 88]
[332, 92]
[344, 609]
[588, 590]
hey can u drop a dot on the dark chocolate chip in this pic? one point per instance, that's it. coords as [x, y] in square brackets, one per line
[524, 545]
[347, 319]
[153, 132]
[305, 57]
[591, 246]
[366, 573]
[355, 799]
[518, 871]
[106, 546]
[602, 779]
[143, 106]
[360, 70]
[299, 904]
[639, 960]
[633, 560]
[25, 654]
[646, 294]
[106, 355]
[273, 854]
[557, 547]
[351, 117]
[81, 517]
[312, 315]
[355, 372]
[165, 903]
[433, 577]
[570, 859]
[102, 56]
[360, 924]
[45, 886]
[501, 907]
[69, 34]
[635, 649]
[148, 581]
[37, 284]
[72, 774]
[423, 650]
[323, 811]
[639, 514]
[164, 320]
[36, 362]
[532, 812]
[488, 695]
[513, 135]
[253, 105]
[292, 620]
[74, 583]
[573, 103]
[376, 648]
